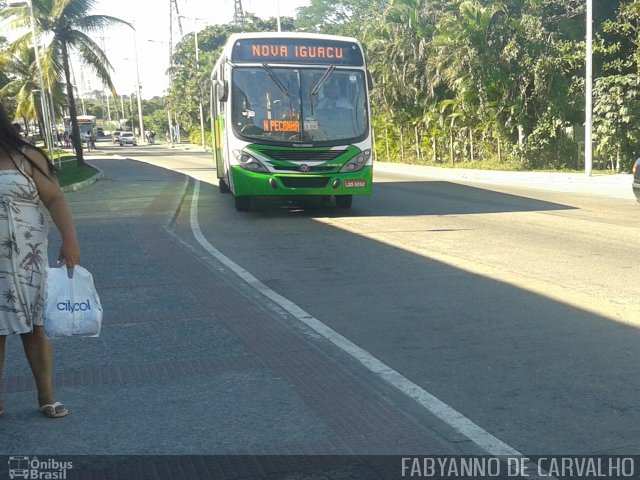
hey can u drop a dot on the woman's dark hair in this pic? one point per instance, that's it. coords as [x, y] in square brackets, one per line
[12, 141]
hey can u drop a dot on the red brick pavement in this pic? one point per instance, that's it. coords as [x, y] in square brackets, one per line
[362, 420]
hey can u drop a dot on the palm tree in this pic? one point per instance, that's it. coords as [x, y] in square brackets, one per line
[19, 60]
[69, 23]
[21, 82]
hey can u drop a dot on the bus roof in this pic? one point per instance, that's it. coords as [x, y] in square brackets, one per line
[311, 36]
[83, 118]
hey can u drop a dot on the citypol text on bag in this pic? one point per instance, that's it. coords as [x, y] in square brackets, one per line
[72, 304]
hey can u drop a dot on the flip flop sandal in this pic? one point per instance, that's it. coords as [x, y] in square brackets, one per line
[54, 410]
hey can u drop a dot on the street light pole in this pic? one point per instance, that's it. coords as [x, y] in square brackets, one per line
[124, 115]
[278, 16]
[200, 100]
[43, 100]
[131, 109]
[135, 47]
[588, 144]
[53, 126]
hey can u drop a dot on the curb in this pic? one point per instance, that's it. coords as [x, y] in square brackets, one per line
[85, 183]
[189, 147]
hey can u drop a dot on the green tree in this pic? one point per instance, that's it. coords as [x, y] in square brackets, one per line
[19, 85]
[616, 119]
[67, 25]
[342, 17]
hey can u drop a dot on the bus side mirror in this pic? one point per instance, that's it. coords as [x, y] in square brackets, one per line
[369, 80]
[221, 90]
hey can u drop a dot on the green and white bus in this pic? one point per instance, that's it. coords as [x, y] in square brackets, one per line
[290, 117]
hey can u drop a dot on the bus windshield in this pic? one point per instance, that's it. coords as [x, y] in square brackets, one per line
[323, 106]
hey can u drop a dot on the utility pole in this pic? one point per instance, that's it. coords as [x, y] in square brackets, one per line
[139, 93]
[103, 95]
[172, 4]
[238, 15]
[124, 115]
[588, 142]
[73, 79]
[278, 17]
[131, 110]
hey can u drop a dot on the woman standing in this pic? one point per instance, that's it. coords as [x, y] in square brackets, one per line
[27, 183]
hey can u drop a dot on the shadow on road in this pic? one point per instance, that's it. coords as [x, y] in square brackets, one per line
[426, 198]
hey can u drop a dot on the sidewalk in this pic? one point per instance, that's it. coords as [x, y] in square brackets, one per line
[188, 363]
[614, 185]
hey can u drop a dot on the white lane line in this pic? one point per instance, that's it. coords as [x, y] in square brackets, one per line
[444, 412]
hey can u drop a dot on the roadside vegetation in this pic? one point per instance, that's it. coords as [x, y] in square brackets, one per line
[468, 83]
[68, 26]
[69, 172]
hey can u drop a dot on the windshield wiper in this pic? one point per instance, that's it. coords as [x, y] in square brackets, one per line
[325, 76]
[276, 80]
[323, 79]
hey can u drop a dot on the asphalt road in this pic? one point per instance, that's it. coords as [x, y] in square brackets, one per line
[517, 307]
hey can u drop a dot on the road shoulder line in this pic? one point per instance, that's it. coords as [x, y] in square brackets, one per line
[483, 439]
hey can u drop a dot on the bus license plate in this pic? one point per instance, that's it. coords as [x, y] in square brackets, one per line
[355, 183]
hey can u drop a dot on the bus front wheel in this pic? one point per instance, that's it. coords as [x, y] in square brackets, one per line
[223, 185]
[243, 204]
[344, 201]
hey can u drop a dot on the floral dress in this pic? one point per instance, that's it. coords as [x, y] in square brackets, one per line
[23, 253]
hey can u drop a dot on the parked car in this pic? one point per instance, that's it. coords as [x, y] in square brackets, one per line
[100, 131]
[115, 136]
[128, 138]
[636, 179]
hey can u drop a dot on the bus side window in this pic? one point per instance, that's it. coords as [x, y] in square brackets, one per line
[214, 97]
[221, 90]
[221, 86]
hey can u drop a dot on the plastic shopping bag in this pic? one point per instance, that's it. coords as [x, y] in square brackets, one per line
[72, 306]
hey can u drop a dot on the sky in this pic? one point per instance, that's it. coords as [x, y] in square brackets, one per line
[151, 19]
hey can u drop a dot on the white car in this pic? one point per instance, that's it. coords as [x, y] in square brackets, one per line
[128, 138]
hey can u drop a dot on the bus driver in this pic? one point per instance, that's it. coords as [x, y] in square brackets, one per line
[332, 97]
[335, 113]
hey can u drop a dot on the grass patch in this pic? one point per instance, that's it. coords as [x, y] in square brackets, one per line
[70, 172]
[491, 164]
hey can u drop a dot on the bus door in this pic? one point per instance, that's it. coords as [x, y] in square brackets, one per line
[219, 93]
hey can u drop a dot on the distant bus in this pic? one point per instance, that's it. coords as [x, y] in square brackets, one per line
[290, 117]
[85, 123]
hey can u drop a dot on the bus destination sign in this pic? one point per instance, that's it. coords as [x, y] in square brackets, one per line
[299, 51]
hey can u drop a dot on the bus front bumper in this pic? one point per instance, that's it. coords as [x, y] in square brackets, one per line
[246, 183]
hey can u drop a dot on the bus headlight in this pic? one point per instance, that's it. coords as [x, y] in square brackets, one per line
[248, 162]
[357, 163]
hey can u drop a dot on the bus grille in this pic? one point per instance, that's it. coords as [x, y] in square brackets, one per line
[304, 182]
[312, 169]
[302, 155]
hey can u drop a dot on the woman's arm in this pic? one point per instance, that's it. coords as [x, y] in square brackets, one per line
[53, 199]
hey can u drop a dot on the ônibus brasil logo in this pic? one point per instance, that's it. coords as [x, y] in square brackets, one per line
[36, 469]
